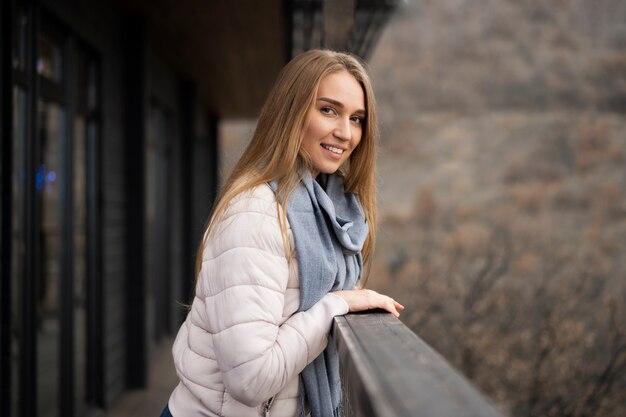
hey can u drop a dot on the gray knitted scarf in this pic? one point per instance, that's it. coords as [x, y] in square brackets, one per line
[329, 229]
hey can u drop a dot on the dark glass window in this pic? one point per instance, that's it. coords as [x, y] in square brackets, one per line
[84, 142]
[54, 222]
[79, 175]
[50, 59]
[157, 223]
[48, 183]
[19, 46]
[20, 113]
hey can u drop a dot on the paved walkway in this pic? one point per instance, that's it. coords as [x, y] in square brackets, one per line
[149, 402]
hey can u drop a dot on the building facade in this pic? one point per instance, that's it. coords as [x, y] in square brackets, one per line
[109, 113]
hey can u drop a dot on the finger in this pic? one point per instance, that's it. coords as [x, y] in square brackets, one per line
[396, 304]
[390, 307]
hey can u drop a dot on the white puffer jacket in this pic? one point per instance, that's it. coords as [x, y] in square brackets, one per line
[243, 341]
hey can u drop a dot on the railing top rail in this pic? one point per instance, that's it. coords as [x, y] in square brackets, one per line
[388, 371]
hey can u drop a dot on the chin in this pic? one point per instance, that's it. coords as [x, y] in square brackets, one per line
[327, 170]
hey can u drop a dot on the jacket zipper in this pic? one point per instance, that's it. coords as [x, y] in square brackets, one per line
[267, 406]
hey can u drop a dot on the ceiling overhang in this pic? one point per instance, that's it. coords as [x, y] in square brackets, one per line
[232, 51]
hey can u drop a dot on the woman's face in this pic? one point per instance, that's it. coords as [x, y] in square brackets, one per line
[335, 122]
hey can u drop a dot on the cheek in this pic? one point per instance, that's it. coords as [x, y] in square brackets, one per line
[318, 127]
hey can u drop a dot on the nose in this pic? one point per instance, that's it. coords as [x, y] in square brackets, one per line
[342, 130]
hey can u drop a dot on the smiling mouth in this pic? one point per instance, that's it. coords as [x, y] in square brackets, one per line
[333, 149]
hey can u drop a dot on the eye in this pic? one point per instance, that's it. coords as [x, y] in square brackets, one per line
[357, 119]
[328, 110]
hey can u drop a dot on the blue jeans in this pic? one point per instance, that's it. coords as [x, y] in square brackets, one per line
[166, 412]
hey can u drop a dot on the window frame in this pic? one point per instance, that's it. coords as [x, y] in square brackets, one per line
[36, 88]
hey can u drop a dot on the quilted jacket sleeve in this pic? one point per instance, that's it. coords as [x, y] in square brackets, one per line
[244, 280]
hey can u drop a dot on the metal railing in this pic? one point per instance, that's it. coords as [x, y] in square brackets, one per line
[388, 371]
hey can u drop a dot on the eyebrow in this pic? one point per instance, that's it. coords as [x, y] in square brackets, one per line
[360, 112]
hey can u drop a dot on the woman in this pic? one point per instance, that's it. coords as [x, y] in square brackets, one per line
[284, 250]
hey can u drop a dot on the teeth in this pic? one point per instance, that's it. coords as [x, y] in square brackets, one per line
[333, 149]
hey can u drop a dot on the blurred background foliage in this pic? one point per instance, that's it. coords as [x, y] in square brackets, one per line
[503, 194]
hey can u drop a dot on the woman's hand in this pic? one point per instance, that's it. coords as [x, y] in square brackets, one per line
[360, 300]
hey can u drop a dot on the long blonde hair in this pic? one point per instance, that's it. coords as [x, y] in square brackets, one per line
[274, 153]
